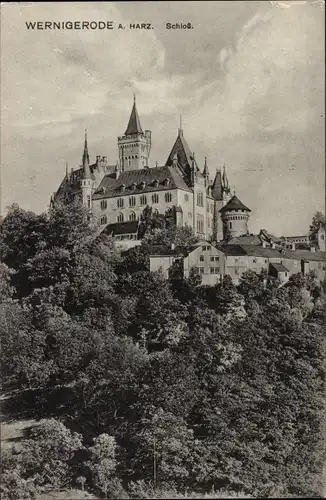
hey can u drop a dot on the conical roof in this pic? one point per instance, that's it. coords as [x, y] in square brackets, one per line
[217, 188]
[234, 204]
[86, 169]
[134, 126]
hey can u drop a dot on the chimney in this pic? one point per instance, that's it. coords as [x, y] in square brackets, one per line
[104, 160]
[264, 244]
[71, 170]
[293, 246]
[172, 246]
[98, 157]
[273, 245]
[312, 249]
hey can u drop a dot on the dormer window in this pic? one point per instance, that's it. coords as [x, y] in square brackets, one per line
[133, 186]
[123, 187]
[142, 184]
[166, 181]
[156, 183]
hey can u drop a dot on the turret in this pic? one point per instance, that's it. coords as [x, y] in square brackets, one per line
[206, 173]
[235, 216]
[135, 145]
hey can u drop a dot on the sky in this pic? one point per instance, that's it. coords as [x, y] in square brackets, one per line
[248, 80]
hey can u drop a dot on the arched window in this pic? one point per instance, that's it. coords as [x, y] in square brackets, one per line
[132, 201]
[155, 198]
[120, 203]
[230, 225]
[132, 216]
[120, 218]
[168, 197]
[143, 200]
[88, 201]
[103, 220]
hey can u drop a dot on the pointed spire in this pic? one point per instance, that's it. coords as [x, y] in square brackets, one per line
[86, 169]
[234, 190]
[66, 170]
[85, 153]
[134, 126]
[205, 171]
[180, 131]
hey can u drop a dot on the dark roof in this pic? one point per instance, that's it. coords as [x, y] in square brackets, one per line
[163, 250]
[113, 187]
[259, 251]
[279, 267]
[129, 227]
[232, 249]
[134, 126]
[217, 188]
[234, 204]
[185, 156]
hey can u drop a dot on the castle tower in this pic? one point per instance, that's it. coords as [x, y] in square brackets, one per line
[87, 183]
[235, 216]
[135, 145]
[220, 191]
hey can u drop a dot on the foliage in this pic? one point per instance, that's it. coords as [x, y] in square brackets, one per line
[221, 387]
[317, 221]
[149, 221]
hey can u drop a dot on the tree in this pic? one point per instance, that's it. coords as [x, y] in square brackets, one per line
[317, 220]
[103, 462]
[149, 221]
[48, 454]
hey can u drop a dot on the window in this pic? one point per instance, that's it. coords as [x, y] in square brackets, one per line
[132, 216]
[104, 204]
[207, 208]
[168, 197]
[212, 208]
[104, 220]
[201, 258]
[132, 201]
[186, 198]
[322, 237]
[254, 260]
[201, 270]
[155, 198]
[214, 270]
[209, 222]
[200, 224]
[215, 258]
[120, 218]
[120, 203]
[204, 248]
[88, 201]
[190, 215]
[200, 199]
[143, 200]
[230, 225]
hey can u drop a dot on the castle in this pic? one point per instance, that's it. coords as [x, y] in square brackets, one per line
[117, 194]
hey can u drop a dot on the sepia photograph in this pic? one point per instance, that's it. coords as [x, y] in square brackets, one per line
[162, 250]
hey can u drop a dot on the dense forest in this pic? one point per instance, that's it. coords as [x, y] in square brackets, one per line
[143, 386]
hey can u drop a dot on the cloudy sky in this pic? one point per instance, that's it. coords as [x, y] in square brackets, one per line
[248, 80]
